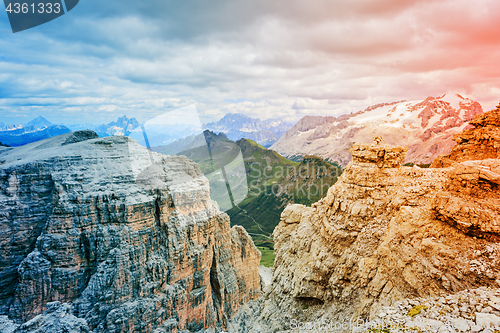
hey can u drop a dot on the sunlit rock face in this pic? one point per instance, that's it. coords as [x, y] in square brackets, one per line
[470, 200]
[385, 233]
[481, 141]
[129, 239]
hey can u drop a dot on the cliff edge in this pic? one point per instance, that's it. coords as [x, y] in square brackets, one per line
[102, 235]
[386, 233]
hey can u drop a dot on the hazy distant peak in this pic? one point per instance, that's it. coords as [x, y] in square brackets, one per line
[236, 116]
[125, 122]
[237, 126]
[237, 119]
[39, 122]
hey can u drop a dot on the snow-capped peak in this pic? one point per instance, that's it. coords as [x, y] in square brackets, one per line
[426, 127]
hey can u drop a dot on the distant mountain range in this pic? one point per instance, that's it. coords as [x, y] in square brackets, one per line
[40, 128]
[35, 130]
[425, 127]
[123, 126]
[237, 126]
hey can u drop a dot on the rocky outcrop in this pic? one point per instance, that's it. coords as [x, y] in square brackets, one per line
[56, 319]
[480, 142]
[129, 239]
[378, 153]
[471, 199]
[384, 233]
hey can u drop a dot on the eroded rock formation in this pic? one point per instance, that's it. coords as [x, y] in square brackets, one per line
[385, 233]
[480, 142]
[129, 239]
[378, 153]
[470, 199]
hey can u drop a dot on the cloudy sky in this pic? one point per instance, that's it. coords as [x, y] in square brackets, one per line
[263, 58]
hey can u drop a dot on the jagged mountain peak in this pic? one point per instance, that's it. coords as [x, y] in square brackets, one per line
[124, 122]
[236, 116]
[210, 135]
[123, 126]
[237, 126]
[239, 120]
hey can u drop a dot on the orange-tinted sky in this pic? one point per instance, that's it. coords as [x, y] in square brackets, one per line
[262, 58]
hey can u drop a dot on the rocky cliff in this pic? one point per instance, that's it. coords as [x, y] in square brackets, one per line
[102, 235]
[385, 233]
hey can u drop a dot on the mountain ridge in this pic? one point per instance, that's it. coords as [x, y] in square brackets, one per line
[426, 127]
[237, 126]
[273, 183]
[24, 135]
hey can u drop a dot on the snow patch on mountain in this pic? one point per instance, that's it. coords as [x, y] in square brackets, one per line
[426, 127]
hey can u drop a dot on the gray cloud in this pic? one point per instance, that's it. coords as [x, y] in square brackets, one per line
[281, 58]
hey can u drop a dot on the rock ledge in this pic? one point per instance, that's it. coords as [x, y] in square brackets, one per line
[378, 153]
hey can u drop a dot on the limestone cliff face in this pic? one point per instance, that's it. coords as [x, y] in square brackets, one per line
[384, 233]
[128, 238]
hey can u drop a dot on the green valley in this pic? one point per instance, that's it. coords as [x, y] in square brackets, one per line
[271, 183]
[274, 182]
